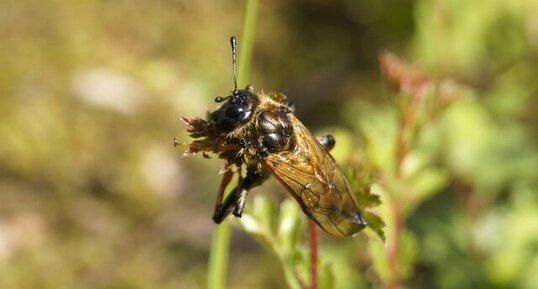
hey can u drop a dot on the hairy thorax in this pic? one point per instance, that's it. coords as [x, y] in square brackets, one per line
[268, 131]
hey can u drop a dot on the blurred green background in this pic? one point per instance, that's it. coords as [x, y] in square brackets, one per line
[94, 195]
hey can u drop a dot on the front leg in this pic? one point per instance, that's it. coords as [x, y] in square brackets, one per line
[226, 207]
[255, 177]
[235, 201]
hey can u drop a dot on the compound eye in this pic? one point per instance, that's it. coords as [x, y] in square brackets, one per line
[234, 112]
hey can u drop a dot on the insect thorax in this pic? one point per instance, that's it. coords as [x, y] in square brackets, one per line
[268, 131]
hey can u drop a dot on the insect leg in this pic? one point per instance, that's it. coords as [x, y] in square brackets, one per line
[327, 141]
[224, 208]
[255, 177]
[235, 201]
[226, 178]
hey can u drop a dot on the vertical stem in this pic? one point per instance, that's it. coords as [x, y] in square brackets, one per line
[247, 41]
[218, 258]
[220, 243]
[313, 254]
[405, 120]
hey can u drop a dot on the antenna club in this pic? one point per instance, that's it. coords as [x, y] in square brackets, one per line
[233, 42]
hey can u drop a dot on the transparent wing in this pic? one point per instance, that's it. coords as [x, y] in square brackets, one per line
[310, 174]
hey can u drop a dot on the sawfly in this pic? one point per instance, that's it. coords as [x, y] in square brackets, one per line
[258, 133]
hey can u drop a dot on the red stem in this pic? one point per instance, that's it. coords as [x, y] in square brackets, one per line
[313, 254]
[406, 119]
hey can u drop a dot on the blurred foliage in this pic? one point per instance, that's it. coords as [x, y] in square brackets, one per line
[93, 194]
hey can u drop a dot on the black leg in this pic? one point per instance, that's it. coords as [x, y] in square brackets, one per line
[255, 177]
[225, 208]
[327, 141]
[235, 201]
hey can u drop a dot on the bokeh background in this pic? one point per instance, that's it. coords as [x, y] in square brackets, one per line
[94, 195]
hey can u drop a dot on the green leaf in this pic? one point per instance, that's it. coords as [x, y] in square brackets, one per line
[361, 187]
[326, 279]
[375, 223]
[407, 250]
[376, 251]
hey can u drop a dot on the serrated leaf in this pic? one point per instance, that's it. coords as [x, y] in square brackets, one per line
[362, 191]
[375, 223]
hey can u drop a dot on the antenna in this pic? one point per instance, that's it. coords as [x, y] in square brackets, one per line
[233, 42]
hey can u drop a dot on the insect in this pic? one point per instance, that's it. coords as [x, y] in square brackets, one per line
[259, 133]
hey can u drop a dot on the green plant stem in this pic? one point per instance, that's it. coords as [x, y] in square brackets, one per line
[291, 275]
[220, 243]
[247, 42]
[218, 258]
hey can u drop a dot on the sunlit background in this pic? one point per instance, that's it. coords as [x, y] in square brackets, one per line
[94, 195]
